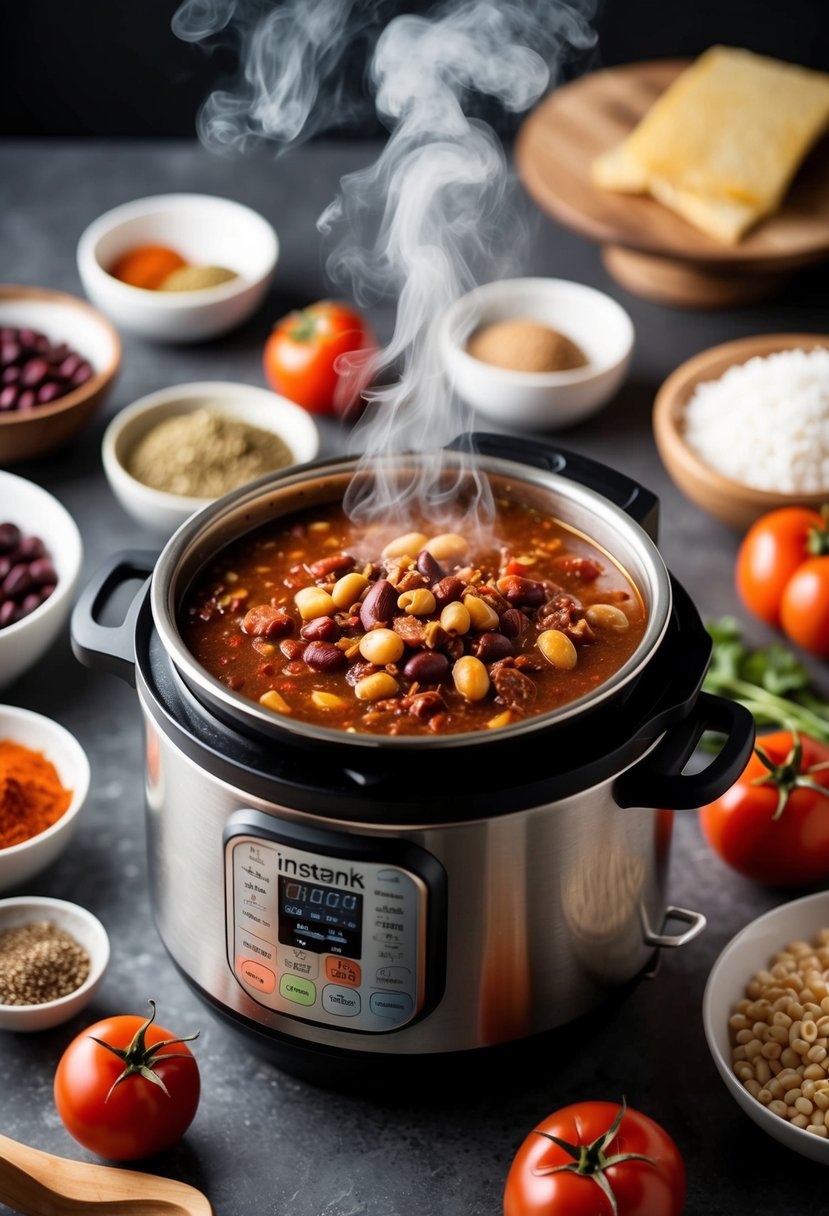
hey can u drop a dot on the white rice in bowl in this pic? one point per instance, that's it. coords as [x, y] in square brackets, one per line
[765, 423]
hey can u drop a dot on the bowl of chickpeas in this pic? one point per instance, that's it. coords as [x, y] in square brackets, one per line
[766, 1019]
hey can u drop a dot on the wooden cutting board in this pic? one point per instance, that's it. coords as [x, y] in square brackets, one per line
[646, 247]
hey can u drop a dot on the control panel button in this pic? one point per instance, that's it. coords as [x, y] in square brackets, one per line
[255, 975]
[299, 962]
[344, 1002]
[300, 991]
[393, 1005]
[343, 971]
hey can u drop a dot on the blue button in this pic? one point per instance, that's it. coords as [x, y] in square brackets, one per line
[393, 1005]
[344, 1002]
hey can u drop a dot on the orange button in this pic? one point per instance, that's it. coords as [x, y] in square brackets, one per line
[255, 975]
[343, 971]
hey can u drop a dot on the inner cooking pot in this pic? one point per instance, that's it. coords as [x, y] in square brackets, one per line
[609, 510]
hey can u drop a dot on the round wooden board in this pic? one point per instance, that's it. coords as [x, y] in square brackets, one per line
[650, 249]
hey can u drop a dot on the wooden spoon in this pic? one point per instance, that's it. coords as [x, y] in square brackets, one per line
[40, 1184]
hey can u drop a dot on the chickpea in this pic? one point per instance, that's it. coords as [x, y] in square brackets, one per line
[559, 651]
[403, 546]
[471, 678]
[419, 602]
[455, 619]
[607, 616]
[445, 546]
[347, 590]
[481, 614]
[381, 646]
[313, 602]
[375, 687]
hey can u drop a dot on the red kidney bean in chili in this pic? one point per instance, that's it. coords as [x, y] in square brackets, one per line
[324, 622]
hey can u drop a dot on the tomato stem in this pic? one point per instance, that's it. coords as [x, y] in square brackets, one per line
[817, 540]
[788, 776]
[590, 1160]
[140, 1059]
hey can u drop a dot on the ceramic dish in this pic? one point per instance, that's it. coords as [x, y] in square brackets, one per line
[730, 501]
[539, 400]
[163, 512]
[25, 434]
[747, 953]
[87, 931]
[20, 862]
[37, 512]
[204, 230]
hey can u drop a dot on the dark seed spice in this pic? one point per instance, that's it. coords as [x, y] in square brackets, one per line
[38, 963]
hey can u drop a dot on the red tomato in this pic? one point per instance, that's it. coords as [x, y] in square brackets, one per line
[773, 824]
[631, 1166]
[804, 608]
[305, 359]
[109, 1105]
[771, 551]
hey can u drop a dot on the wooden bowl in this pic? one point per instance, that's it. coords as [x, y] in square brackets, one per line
[63, 318]
[730, 501]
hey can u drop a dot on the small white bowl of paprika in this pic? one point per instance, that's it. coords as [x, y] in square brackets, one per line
[44, 781]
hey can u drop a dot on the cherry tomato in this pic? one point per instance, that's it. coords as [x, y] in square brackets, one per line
[126, 1088]
[773, 824]
[320, 357]
[629, 1166]
[804, 608]
[771, 551]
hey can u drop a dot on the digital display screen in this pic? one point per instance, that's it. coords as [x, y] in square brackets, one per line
[321, 919]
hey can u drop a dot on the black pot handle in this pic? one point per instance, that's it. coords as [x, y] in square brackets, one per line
[111, 647]
[634, 499]
[658, 781]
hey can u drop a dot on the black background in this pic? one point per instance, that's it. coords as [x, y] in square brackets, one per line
[114, 68]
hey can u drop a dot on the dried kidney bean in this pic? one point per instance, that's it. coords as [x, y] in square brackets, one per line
[337, 564]
[525, 592]
[27, 574]
[431, 569]
[491, 646]
[36, 372]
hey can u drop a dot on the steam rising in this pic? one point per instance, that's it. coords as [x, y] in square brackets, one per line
[431, 217]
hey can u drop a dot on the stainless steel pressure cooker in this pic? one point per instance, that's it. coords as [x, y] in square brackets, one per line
[339, 895]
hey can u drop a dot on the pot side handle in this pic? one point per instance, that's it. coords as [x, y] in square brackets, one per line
[657, 780]
[111, 647]
[637, 502]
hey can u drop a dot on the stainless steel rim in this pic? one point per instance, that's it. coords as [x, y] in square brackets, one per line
[199, 540]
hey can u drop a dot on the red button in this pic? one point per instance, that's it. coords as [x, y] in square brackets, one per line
[343, 971]
[255, 975]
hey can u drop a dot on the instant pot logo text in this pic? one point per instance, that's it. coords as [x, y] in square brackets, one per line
[309, 869]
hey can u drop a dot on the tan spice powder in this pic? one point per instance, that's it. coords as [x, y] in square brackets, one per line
[205, 454]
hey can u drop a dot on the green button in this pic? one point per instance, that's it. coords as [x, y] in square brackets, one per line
[298, 990]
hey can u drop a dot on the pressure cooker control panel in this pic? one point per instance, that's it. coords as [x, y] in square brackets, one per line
[343, 931]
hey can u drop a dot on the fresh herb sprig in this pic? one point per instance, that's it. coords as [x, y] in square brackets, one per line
[770, 681]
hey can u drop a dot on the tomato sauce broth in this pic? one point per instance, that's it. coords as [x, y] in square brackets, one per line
[430, 635]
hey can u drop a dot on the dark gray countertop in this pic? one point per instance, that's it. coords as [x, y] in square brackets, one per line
[263, 1142]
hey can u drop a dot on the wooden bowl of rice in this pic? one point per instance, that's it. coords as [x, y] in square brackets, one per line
[743, 428]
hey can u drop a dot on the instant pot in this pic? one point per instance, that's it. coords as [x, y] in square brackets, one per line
[341, 896]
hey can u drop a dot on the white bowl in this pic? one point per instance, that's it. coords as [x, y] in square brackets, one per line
[539, 400]
[36, 512]
[20, 862]
[206, 231]
[87, 931]
[745, 954]
[162, 512]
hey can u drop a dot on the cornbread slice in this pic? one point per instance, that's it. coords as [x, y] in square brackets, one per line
[723, 142]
